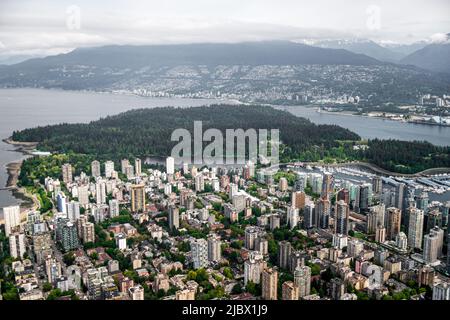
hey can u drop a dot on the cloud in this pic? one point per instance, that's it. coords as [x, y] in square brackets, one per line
[439, 38]
[28, 26]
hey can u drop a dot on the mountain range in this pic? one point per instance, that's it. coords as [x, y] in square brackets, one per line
[273, 67]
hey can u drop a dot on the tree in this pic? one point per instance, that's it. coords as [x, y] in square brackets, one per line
[47, 287]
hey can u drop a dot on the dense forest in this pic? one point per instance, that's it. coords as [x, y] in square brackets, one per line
[147, 132]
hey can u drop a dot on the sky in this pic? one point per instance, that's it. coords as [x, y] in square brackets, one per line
[46, 27]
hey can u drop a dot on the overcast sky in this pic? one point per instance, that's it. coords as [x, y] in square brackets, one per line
[49, 27]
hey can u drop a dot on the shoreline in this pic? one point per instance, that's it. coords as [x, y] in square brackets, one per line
[13, 171]
[340, 113]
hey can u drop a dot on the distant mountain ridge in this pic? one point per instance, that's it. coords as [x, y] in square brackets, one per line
[434, 57]
[250, 53]
[361, 46]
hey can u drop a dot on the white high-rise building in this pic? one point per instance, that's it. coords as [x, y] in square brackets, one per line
[199, 183]
[214, 249]
[253, 267]
[293, 217]
[109, 168]
[83, 195]
[67, 174]
[73, 211]
[199, 251]
[12, 218]
[138, 167]
[415, 228]
[430, 248]
[17, 245]
[100, 192]
[233, 190]
[170, 165]
[302, 278]
[441, 291]
[95, 169]
[114, 208]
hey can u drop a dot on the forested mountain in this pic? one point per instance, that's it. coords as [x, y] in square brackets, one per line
[147, 132]
[434, 57]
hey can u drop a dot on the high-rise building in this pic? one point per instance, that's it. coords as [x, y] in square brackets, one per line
[129, 172]
[170, 165]
[114, 209]
[61, 202]
[430, 248]
[415, 228]
[73, 211]
[53, 269]
[88, 232]
[283, 184]
[199, 252]
[251, 233]
[399, 195]
[302, 278]
[298, 199]
[269, 284]
[434, 219]
[301, 182]
[124, 164]
[343, 195]
[448, 254]
[284, 253]
[95, 169]
[174, 217]
[441, 291]
[17, 245]
[309, 216]
[67, 173]
[83, 195]
[137, 198]
[375, 218]
[377, 185]
[341, 217]
[109, 169]
[42, 246]
[365, 197]
[354, 247]
[69, 237]
[440, 234]
[290, 291]
[12, 218]
[380, 234]
[323, 209]
[401, 241]
[337, 288]
[422, 202]
[393, 222]
[292, 217]
[327, 186]
[100, 191]
[214, 248]
[233, 190]
[185, 294]
[199, 182]
[138, 166]
[253, 267]
[136, 292]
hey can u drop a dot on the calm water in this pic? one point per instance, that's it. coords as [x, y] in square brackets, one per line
[25, 108]
[369, 128]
